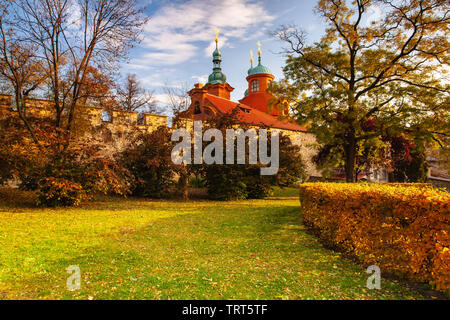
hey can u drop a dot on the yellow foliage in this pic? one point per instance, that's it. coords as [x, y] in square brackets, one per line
[402, 228]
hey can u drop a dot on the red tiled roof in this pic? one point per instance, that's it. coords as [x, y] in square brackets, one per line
[254, 116]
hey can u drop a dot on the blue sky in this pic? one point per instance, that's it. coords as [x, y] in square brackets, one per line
[179, 39]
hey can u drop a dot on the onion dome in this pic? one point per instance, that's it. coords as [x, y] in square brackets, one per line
[259, 69]
[217, 76]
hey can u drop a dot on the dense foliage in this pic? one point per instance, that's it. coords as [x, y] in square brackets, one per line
[363, 80]
[148, 159]
[402, 228]
[81, 162]
[244, 181]
[408, 159]
[56, 192]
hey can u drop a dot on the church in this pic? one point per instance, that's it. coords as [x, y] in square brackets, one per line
[213, 100]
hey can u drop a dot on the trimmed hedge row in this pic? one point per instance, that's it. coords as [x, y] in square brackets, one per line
[404, 229]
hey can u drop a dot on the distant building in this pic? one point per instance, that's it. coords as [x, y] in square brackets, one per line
[213, 100]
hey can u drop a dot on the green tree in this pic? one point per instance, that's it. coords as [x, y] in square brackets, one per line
[366, 78]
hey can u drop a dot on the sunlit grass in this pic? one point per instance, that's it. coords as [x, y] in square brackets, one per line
[143, 249]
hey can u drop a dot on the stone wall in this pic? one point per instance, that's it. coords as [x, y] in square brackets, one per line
[114, 128]
[308, 149]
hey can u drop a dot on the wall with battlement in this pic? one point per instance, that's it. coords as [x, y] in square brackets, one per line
[115, 128]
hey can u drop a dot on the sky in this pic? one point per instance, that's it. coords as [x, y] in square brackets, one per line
[178, 41]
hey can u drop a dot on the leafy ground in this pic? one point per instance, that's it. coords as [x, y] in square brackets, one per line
[143, 249]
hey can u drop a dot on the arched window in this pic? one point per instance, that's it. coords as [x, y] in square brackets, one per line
[255, 85]
[197, 108]
[106, 116]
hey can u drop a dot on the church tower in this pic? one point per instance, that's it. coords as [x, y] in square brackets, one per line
[258, 79]
[217, 81]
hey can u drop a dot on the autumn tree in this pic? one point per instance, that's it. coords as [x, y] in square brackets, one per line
[367, 77]
[97, 90]
[20, 68]
[71, 36]
[133, 96]
[178, 99]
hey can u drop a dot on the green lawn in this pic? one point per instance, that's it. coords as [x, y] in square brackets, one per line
[143, 249]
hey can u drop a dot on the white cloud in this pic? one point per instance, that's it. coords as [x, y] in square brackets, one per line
[212, 46]
[201, 79]
[178, 31]
[162, 99]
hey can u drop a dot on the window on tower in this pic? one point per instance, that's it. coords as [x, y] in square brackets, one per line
[255, 85]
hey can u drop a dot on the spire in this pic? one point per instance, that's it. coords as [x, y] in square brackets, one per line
[259, 69]
[217, 37]
[217, 56]
[259, 53]
[251, 58]
[217, 76]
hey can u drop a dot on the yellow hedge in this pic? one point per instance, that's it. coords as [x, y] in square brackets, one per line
[402, 228]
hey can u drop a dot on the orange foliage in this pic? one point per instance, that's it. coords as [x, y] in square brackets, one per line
[55, 192]
[402, 228]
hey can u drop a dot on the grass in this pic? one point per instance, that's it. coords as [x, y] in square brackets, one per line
[144, 249]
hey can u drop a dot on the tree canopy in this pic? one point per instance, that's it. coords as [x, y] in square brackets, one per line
[368, 78]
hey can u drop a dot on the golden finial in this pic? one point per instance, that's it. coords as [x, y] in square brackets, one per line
[217, 35]
[251, 57]
[259, 48]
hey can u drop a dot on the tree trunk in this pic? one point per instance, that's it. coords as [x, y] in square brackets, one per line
[350, 158]
[58, 118]
[183, 185]
[20, 106]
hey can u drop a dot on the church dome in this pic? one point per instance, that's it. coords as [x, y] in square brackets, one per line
[217, 77]
[259, 69]
[217, 54]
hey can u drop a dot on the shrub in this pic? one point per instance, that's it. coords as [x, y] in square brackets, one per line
[257, 186]
[244, 181]
[225, 182]
[408, 158]
[292, 169]
[196, 182]
[60, 155]
[13, 197]
[18, 152]
[83, 164]
[233, 182]
[56, 192]
[401, 228]
[148, 159]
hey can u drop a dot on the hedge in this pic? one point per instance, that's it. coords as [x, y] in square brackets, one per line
[404, 229]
